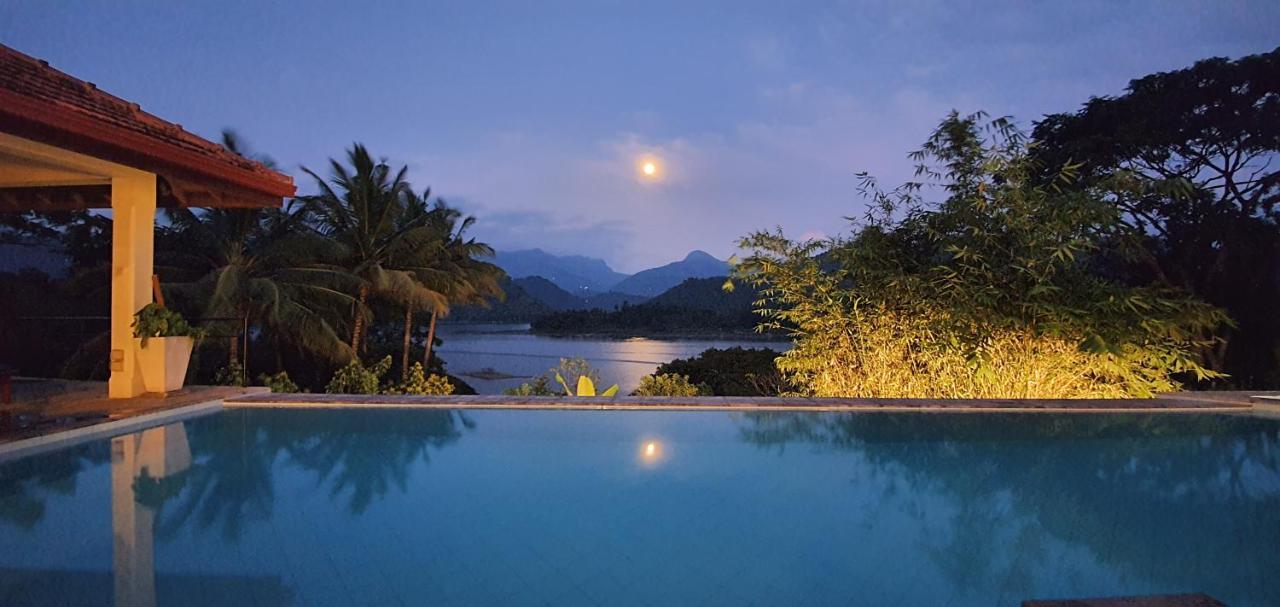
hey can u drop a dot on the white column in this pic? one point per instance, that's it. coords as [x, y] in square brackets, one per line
[133, 205]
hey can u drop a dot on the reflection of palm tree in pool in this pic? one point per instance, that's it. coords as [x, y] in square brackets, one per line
[25, 482]
[361, 456]
[1134, 491]
[231, 481]
[369, 453]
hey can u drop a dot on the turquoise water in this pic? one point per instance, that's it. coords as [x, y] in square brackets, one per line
[423, 507]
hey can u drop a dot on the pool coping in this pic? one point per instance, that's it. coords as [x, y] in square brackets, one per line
[1171, 403]
[53, 441]
[1236, 403]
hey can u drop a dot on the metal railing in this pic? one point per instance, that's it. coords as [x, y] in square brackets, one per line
[242, 334]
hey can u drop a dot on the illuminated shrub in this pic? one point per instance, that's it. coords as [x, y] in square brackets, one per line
[419, 383]
[669, 384]
[355, 378]
[987, 294]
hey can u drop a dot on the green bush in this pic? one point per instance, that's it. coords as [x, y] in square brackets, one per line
[669, 384]
[732, 371]
[279, 383]
[986, 294]
[420, 383]
[230, 375]
[355, 378]
[540, 386]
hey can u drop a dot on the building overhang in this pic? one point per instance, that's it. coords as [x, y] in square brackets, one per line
[42, 105]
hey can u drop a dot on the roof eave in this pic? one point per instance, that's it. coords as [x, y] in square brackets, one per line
[27, 117]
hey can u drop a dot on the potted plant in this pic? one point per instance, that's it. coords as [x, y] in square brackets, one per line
[163, 341]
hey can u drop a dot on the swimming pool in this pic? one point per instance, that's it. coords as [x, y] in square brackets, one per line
[440, 507]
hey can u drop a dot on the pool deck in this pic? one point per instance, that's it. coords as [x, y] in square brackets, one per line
[84, 404]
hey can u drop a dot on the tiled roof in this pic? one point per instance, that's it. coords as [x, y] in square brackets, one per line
[63, 95]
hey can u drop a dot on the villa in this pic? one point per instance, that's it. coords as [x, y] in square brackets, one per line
[65, 145]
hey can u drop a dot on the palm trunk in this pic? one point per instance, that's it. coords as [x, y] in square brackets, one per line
[357, 327]
[404, 353]
[431, 340]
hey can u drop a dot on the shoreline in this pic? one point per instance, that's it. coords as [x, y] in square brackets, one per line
[525, 328]
[700, 336]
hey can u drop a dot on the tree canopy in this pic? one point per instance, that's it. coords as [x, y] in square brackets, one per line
[986, 293]
[1196, 148]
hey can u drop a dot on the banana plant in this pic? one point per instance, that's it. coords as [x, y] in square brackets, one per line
[586, 387]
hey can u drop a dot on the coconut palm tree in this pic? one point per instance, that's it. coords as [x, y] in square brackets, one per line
[263, 264]
[450, 267]
[473, 281]
[364, 209]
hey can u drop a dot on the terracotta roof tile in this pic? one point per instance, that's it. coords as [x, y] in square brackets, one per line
[35, 79]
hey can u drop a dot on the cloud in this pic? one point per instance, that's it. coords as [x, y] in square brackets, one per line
[529, 229]
[767, 52]
[794, 167]
[789, 126]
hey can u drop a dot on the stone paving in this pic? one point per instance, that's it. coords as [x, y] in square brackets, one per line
[80, 404]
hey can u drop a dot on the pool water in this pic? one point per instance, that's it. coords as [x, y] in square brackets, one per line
[437, 507]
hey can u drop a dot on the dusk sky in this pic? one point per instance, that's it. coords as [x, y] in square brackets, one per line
[535, 116]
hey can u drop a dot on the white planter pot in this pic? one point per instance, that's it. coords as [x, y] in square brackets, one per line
[163, 362]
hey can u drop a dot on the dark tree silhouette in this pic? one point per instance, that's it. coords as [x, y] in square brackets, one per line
[1195, 150]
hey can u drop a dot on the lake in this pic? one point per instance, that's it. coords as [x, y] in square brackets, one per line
[512, 350]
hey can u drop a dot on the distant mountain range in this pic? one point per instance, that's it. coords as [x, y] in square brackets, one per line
[534, 297]
[541, 284]
[580, 276]
[655, 281]
[518, 306]
[559, 299]
[697, 306]
[587, 276]
[707, 294]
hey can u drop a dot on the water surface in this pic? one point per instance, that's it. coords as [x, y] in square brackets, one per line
[398, 507]
[512, 350]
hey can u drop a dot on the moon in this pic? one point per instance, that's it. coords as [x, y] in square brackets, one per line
[649, 169]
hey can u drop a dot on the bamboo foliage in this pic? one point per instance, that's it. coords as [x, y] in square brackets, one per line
[986, 294]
